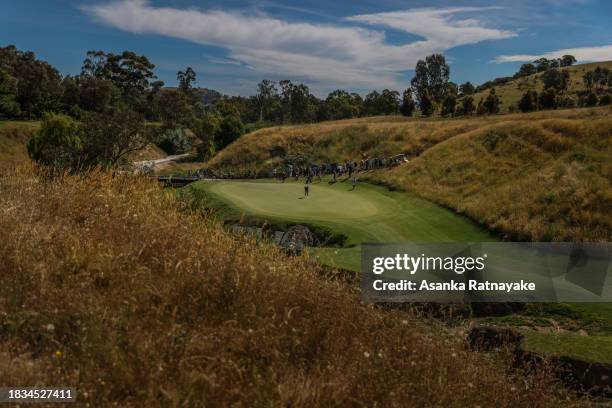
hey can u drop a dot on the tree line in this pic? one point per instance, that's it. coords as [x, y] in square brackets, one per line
[116, 104]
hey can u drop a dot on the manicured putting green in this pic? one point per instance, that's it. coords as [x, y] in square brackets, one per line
[288, 200]
[367, 214]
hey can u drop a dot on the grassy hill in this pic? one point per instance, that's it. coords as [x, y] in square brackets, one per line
[538, 176]
[94, 295]
[511, 92]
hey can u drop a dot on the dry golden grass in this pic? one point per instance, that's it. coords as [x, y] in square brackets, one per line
[14, 136]
[537, 176]
[542, 180]
[510, 93]
[115, 287]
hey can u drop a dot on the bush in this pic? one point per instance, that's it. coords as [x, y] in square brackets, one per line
[605, 100]
[529, 101]
[58, 143]
[230, 129]
[590, 99]
[175, 141]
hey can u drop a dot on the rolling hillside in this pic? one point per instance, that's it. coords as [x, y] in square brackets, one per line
[511, 92]
[540, 176]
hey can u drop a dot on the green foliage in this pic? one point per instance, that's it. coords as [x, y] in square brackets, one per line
[467, 89]
[38, 84]
[548, 99]
[408, 106]
[556, 79]
[430, 82]
[175, 141]
[385, 103]
[491, 103]
[8, 93]
[343, 105]
[467, 106]
[448, 105]
[230, 129]
[58, 143]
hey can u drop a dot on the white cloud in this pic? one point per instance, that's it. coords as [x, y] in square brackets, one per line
[351, 56]
[582, 54]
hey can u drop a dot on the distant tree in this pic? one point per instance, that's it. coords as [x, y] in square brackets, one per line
[605, 99]
[492, 102]
[407, 108]
[38, 83]
[543, 64]
[128, 71]
[205, 129]
[90, 93]
[529, 101]
[175, 109]
[186, 79]
[466, 89]
[467, 105]
[431, 79]
[556, 79]
[590, 99]
[567, 60]
[342, 105]
[109, 138]
[230, 129]
[548, 99]
[481, 108]
[267, 94]
[449, 104]
[526, 70]
[426, 104]
[600, 77]
[9, 107]
[588, 79]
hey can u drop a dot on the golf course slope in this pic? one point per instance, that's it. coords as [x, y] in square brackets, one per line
[366, 214]
[543, 176]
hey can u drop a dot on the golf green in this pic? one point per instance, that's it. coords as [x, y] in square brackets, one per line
[366, 214]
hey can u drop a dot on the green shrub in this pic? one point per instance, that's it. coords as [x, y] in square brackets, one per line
[58, 143]
[174, 141]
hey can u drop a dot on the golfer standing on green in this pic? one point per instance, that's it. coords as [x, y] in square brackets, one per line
[306, 190]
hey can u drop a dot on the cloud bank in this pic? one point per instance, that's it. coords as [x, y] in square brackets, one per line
[582, 54]
[353, 52]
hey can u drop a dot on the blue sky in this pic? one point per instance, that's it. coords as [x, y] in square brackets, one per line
[347, 44]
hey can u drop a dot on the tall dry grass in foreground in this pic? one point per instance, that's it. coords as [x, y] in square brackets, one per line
[111, 285]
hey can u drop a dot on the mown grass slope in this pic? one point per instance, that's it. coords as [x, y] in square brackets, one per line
[115, 287]
[511, 92]
[540, 176]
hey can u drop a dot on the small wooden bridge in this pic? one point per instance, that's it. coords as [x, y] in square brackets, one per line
[177, 181]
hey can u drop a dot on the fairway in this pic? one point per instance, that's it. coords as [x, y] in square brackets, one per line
[367, 214]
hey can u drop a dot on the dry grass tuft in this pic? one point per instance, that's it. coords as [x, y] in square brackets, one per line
[113, 286]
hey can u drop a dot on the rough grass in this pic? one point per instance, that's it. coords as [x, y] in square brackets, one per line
[14, 136]
[542, 176]
[115, 287]
[545, 180]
